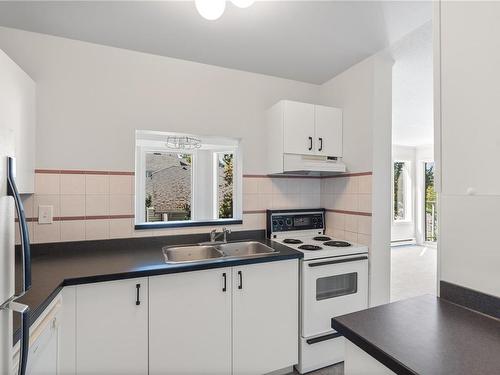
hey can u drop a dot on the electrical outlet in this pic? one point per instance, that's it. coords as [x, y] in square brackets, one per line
[45, 214]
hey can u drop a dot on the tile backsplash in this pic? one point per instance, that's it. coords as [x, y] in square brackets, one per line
[89, 205]
[262, 192]
[347, 200]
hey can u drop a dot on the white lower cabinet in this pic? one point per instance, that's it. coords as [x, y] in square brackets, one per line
[112, 327]
[190, 323]
[236, 320]
[243, 323]
[265, 317]
[359, 362]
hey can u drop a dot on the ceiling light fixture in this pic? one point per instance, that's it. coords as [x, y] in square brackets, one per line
[183, 142]
[242, 3]
[213, 9]
[210, 9]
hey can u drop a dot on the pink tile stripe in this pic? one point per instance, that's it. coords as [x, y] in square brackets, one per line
[72, 218]
[359, 213]
[125, 173]
[353, 174]
[80, 171]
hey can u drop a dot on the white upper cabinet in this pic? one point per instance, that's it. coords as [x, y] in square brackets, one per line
[328, 130]
[303, 129]
[112, 327]
[298, 128]
[17, 119]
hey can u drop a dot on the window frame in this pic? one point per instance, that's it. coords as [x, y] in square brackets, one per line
[408, 191]
[140, 183]
[215, 155]
[142, 187]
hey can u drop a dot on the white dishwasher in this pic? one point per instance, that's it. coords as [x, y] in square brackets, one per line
[44, 341]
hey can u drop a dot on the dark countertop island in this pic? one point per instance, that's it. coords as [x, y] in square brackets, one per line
[61, 264]
[426, 335]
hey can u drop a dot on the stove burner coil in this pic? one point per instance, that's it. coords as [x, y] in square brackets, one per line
[337, 244]
[310, 247]
[291, 241]
[321, 238]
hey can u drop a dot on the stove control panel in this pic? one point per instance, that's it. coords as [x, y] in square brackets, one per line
[283, 222]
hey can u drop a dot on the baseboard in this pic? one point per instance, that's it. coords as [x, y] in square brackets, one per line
[409, 241]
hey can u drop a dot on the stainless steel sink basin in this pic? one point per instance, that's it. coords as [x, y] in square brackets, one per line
[199, 253]
[194, 253]
[246, 249]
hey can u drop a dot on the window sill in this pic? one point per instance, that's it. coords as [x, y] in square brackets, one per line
[187, 223]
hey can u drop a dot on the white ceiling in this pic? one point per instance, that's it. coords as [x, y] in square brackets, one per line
[412, 89]
[309, 41]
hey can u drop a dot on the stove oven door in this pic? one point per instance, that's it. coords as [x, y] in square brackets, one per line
[332, 287]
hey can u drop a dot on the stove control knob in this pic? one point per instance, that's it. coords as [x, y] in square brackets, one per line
[281, 222]
[275, 223]
[315, 220]
[289, 222]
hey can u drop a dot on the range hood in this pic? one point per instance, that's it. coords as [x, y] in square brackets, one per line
[309, 165]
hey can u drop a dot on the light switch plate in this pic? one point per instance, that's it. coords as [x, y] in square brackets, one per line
[45, 214]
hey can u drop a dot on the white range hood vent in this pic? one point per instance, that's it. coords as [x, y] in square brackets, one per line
[309, 165]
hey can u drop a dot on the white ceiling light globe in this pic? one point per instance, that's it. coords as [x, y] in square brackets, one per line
[242, 3]
[210, 9]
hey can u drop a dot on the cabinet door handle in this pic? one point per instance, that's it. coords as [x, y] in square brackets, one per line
[224, 282]
[138, 295]
[320, 144]
[240, 277]
[310, 143]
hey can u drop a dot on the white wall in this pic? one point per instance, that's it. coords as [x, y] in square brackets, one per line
[405, 230]
[468, 144]
[352, 91]
[17, 120]
[91, 98]
[364, 93]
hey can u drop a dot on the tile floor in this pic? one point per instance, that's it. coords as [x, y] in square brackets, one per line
[413, 271]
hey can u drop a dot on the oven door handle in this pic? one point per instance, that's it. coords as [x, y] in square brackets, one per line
[336, 261]
[330, 336]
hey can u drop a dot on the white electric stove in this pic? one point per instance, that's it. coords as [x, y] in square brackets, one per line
[333, 282]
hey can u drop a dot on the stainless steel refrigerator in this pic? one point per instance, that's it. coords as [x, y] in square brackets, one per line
[10, 204]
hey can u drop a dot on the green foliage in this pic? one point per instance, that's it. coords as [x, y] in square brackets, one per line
[187, 209]
[398, 169]
[187, 158]
[149, 201]
[430, 203]
[226, 204]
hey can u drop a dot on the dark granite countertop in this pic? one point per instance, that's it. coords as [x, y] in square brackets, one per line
[60, 264]
[426, 335]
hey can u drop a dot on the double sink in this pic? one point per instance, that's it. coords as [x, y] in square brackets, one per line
[204, 252]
